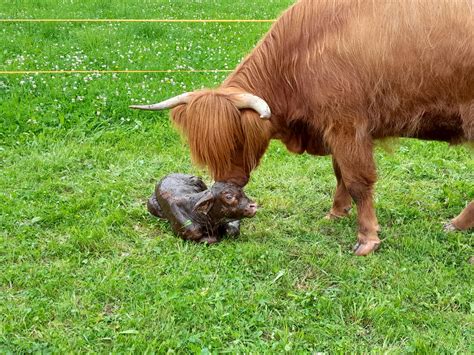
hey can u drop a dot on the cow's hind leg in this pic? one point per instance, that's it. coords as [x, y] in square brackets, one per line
[342, 199]
[464, 221]
[354, 156]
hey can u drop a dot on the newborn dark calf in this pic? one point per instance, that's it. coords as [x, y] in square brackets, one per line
[198, 213]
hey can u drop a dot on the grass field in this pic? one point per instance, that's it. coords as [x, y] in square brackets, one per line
[83, 267]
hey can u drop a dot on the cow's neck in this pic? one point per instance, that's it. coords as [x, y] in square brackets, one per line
[293, 119]
[254, 75]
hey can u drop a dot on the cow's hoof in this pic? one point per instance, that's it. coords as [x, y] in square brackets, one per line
[450, 227]
[332, 215]
[364, 249]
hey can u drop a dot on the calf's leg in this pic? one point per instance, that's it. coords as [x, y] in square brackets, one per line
[182, 223]
[354, 156]
[464, 221]
[232, 229]
[154, 207]
[342, 199]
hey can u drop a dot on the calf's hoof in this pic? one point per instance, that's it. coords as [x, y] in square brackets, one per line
[232, 229]
[192, 232]
[366, 248]
[208, 240]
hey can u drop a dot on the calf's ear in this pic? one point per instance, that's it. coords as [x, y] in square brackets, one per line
[205, 203]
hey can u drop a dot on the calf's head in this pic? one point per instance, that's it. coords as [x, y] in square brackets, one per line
[225, 202]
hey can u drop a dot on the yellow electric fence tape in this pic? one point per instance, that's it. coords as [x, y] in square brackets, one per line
[12, 72]
[133, 20]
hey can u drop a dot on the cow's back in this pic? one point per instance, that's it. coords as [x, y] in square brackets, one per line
[333, 54]
[423, 47]
[382, 63]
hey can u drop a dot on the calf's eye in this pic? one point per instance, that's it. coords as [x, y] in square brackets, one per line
[229, 197]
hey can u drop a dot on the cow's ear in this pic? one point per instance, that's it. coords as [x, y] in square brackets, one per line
[205, 203]
[179, 117]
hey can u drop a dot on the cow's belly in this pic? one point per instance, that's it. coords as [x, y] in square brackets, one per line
[439, 127]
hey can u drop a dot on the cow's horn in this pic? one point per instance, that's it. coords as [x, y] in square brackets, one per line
[170, 103]
[255, 103]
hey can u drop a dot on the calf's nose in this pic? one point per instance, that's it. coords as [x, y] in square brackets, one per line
[251, 209]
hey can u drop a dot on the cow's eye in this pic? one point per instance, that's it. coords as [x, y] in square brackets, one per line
[229, 197]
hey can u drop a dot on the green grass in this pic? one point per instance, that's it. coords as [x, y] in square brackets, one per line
[83, 267]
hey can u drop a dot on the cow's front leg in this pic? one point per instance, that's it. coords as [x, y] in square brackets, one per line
[354, 156]
[342, 199]
[464, 221]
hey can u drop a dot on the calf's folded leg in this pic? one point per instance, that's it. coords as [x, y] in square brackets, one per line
[182, 223]
[231, 229]
[154, 207]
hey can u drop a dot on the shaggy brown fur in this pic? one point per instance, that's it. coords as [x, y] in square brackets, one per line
[337, 75]
[466, 219]
[220, 136]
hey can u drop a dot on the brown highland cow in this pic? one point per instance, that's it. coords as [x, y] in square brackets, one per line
[332, 76]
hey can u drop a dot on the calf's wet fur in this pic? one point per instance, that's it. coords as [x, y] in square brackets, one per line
[197, 213]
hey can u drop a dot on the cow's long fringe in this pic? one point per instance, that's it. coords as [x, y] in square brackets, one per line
[217, 131]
